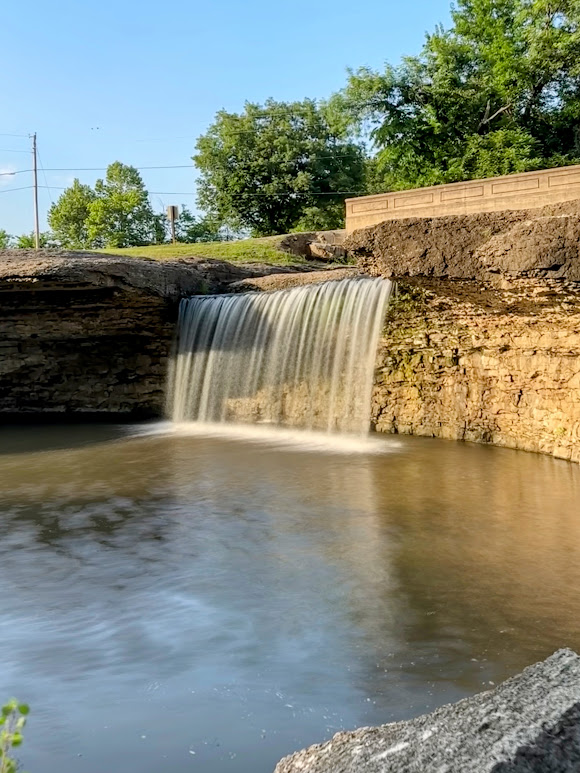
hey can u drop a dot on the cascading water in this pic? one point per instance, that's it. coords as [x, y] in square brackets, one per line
[303, 357]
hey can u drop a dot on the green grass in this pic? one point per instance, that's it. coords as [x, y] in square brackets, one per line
[246, 251]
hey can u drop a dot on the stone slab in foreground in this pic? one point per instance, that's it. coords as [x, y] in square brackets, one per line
[529, 724]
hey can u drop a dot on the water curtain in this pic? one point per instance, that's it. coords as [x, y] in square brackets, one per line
[303, 357]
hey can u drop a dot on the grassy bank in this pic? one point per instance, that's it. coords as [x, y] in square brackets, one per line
[264, 250]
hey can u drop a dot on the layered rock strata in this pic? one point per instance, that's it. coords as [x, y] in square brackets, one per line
[90, 334]
[483, 341]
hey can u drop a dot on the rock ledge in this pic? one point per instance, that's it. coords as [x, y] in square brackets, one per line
[529, 724]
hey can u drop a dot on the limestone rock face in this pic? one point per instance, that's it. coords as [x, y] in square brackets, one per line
[529, 724]
[465, 362]
[83, 333]
[483, 342]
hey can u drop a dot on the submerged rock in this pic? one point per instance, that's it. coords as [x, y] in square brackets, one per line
[529, 724]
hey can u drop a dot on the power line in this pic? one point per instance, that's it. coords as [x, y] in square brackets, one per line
[3, 134]
[45, 179]
[281, 193]
[169, 166]
[104, 168]
[11, 190]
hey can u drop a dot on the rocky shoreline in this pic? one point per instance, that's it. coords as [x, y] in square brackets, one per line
[529, 724]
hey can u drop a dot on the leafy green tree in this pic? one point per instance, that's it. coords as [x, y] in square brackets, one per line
[497, 93]
[27, 241]
[121, 214]
[5, 239]
[275, 166]
[190, 229]
[68, 217]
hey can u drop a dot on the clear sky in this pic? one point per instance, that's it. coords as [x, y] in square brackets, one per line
[137, 82]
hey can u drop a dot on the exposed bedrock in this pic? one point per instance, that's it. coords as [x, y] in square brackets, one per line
[529, 724]
[483, 341]
[463, 362]
[86, 333]
[489, 247]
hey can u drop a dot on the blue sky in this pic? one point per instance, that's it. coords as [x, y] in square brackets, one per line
[138, 82]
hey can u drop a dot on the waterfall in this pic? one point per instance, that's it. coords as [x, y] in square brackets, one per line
[302, 357]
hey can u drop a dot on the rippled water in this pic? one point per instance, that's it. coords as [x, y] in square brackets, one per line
[182, 602]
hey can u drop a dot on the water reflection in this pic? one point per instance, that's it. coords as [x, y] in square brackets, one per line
[172, 600]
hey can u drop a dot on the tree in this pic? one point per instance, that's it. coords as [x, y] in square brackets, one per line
[497, 93]
[5, 240]
[121, 215]
[275, 166]
[28, 241]
[68, 217]
[189, 229]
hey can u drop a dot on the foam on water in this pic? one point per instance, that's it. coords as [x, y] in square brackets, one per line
[277, 437]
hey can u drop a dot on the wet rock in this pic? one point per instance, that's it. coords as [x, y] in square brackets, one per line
[461, 361]
[529, 724]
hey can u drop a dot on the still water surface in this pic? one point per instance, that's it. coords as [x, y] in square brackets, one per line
[184, 603]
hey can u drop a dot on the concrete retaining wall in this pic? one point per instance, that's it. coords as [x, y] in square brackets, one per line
[514, 191]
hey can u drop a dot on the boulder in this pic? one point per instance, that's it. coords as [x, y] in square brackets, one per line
[529, 724]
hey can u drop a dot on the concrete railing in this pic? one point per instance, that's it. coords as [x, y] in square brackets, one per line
[514, 191]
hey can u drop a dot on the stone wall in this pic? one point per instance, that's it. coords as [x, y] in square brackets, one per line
[84, 351]
[462, 362]
[493, 194]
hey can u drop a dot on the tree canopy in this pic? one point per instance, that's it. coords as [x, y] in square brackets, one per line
[121, 214]
[499, 92]
[68, 217]
[5, 239]
[116, 213]
[277, 167]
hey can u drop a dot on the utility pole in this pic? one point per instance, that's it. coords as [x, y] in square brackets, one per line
[35, 174]
[172, 214]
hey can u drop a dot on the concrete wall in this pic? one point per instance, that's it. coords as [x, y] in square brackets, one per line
[514, 191]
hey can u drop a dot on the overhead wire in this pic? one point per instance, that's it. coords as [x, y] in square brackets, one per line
[281, 193]
[146, 168]
[45, 178]
[12, 190]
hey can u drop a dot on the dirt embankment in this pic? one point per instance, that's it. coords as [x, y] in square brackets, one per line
[489, 247]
